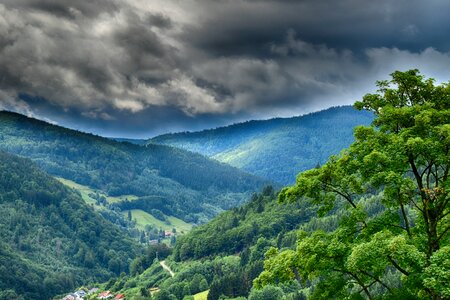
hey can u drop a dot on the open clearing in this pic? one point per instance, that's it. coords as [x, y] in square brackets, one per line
[85, 191]
[143, 218]
[201, 296]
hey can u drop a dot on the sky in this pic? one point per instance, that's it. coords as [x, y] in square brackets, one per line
[138, 68]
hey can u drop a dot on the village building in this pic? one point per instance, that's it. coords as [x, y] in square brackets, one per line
[105, 295]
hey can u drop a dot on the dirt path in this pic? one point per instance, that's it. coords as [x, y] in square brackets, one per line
[166, 267]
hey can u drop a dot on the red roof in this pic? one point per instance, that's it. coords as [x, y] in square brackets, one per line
[120, 296]
[104, 294]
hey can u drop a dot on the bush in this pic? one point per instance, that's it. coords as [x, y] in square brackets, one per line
[269, 292]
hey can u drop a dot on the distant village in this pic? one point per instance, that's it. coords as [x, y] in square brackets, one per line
[81, 294]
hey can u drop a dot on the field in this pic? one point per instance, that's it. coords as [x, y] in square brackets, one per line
[85, 191]
[143, 218]
[201, 296]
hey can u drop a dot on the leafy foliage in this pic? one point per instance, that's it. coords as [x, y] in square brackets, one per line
[235, 230]
[276, 149]
[405, 156]
[51, 241]
[225, 255]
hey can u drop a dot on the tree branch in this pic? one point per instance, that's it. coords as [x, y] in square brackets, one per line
[397, 266]
[343, 194]
[377, 280]
[443, 233]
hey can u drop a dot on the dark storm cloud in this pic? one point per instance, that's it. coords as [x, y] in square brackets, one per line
[248, 27]
[159, 20]
[65, 8]
[136, 66]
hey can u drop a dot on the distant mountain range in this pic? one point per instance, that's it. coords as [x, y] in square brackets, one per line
[140, 142]
[276, 149]
[177, 182]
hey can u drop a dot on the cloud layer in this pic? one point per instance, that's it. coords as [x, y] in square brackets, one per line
[142, 67]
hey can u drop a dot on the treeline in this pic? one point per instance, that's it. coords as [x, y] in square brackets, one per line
[51, 241]
[276, 149]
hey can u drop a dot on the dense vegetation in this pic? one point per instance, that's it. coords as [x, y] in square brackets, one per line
[50, 240]
[403, 251]
[237, 229]
[225, 255]
[371, 223]
[191, 186]
[276, 149]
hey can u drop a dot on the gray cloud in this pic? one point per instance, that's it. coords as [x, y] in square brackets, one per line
[121, 67]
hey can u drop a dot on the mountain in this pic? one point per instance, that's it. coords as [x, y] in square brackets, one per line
[382, 227]
[177, 182]
[225, 255]
[140, 142]
[276, 149]
[208, 252]
[370, 223]
[50, 240]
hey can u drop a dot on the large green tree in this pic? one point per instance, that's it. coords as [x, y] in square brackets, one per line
[400, 165]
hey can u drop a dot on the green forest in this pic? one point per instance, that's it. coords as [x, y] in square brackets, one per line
[370, 223]
[403, 250]
[178, 178]
[51, 241]
[275, 149]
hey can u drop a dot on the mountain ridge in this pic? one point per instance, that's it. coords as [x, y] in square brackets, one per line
[192, 185]
[276, 149]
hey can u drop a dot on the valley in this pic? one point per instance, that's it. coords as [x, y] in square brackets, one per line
[224, 150]
[350, 228]
[179, 183]
[104, 218]
[140, 220]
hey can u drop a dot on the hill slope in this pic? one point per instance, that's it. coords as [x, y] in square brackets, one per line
[184, 184]
[227, 253]
[276, 149]
[50, 240]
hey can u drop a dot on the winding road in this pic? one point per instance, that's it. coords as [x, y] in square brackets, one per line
[166, 267]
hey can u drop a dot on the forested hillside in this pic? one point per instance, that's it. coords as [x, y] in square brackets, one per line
[276, 149]
[224, 255]
[50, 240]
[402, 251]
[185, 184]
[370, 223]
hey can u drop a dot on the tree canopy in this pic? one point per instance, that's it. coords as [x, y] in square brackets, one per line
[51, 241]
[402, 249]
